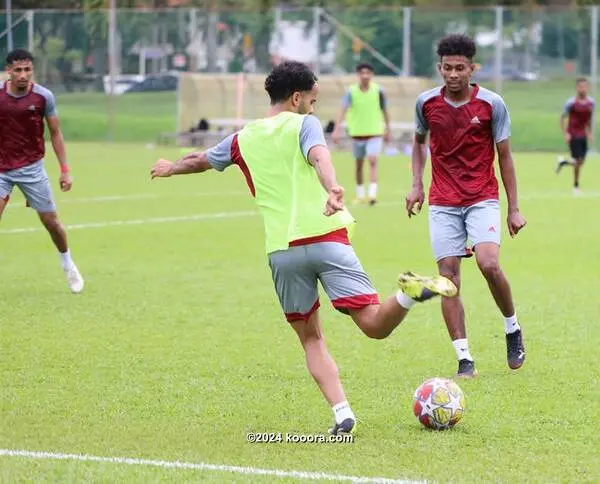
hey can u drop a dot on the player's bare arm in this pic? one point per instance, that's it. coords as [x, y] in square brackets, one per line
[416, 197]
[196, 162]
[58, 145]
[337, 131]
[387, 137]
[509, 178]
[564, 122]
[320, 158]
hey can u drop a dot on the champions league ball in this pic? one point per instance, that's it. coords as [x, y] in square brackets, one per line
[439, 403]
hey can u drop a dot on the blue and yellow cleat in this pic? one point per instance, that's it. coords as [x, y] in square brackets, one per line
[422, 288]
[348, 426]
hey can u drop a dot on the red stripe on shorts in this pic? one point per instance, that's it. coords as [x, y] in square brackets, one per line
[340, 236]
[355, 302]
[291, 317]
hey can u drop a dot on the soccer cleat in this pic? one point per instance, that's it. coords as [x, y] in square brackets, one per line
[74, 279]
[348, 426]
[466, 369]
[560, 163]
[422, 288]
[372, 201]
[515, 350]
[576, 191]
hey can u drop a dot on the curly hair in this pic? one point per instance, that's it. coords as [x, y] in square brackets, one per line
[457, 44]
[364, 65]
[287, 78]
[18, 55]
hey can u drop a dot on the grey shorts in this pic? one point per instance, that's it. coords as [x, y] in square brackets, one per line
[451, 227]
[363, 148]
[33, 181]
[297, 270]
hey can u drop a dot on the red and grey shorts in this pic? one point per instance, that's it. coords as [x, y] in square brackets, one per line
[298, 270]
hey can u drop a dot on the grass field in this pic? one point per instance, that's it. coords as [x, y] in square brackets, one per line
[535, 110]
[177, 347]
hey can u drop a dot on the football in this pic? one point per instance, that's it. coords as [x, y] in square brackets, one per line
[439, 403]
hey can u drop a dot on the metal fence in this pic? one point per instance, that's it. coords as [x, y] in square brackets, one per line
[513, 43]
[147, 48]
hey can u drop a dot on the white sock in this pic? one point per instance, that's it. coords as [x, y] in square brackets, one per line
[373, 190]
[405, 301]
[360, 191]
[511, 324]
[65, 259]
[461, 346]
[342, 411]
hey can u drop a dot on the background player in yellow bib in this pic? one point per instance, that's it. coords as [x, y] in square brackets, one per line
[288, 168]
[368, 123]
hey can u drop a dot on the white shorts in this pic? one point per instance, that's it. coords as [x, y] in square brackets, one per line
[451, 227]
[362, 148]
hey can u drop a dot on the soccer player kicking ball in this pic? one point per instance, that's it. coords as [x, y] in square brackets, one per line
[466, 122]
[24, 106]
[576, 124]
[288, 168]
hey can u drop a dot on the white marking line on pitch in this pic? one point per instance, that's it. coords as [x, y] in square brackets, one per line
[201, 466]
[142, 221]
[140, 196]
[222, 215]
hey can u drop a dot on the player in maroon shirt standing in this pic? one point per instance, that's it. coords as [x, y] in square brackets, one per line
[576, 124]
[24, 106]
[466, 124]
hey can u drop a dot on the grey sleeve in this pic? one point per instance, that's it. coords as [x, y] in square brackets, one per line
[421, 126]
[347, 100]
[500, 120]
[50, 104]
[219, 156]
[311, 134]
[568, 106]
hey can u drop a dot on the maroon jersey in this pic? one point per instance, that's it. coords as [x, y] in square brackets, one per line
[462, 144]
[22, 126]
[580, 113]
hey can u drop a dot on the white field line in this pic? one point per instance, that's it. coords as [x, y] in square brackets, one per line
[201, 466]
[138, 196]
[225, 215]
[143, 221]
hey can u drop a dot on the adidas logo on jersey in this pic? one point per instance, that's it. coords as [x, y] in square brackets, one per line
[475, 120]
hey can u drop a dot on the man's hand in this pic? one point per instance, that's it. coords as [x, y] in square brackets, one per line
[567, 137]
[336, 135]
[516, 222]
[387, 136]
[415, 198]
[335, 202]
[65, 182]
[162, 169]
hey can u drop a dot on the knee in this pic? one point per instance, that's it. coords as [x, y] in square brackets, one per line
[50, 220]
[373, 161]
[489, 267]
[451, 273]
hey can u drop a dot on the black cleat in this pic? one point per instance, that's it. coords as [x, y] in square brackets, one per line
[466, 369]
[561, 163]
[348, 426]
[515, 350]
[372, 201]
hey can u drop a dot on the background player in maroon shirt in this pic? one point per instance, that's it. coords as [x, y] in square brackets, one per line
[24, 106]
[576, 124]
[466, 123]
